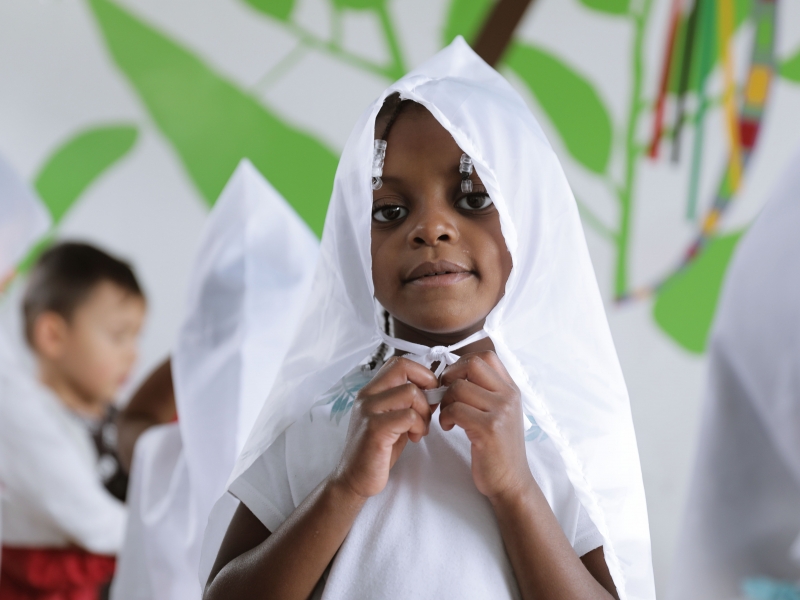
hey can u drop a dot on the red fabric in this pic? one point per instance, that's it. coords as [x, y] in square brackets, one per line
[748, 132]
[53, 574]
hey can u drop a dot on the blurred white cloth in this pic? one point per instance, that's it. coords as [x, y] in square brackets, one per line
[48, 464]
[23, 219]
[250, 279]
[549, 330]
[743, 510]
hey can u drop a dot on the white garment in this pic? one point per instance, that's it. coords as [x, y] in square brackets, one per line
[743, 510]
[250, 278]
[48, 464]
[460, 552]
[23, 219]
[549, 329]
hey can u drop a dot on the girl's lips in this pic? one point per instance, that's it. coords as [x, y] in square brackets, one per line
[445, 279]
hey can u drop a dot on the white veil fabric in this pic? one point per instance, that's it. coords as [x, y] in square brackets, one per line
[549, 330]
[250, 279]
[743, 507]
[23, 218]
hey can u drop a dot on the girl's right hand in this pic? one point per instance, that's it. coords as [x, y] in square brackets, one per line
[387, 412]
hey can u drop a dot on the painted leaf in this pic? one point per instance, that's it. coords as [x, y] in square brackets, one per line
[685, 305]
[278, 9]
[790, 69]
[78, 162]
[211, 123]
[614, 7]
[359, 4]
[72, 168]
[465, 18]
[571, 103]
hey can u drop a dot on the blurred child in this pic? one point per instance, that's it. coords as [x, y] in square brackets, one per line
[83, 311]
[493, 456]
[251, 275]
[742, 518]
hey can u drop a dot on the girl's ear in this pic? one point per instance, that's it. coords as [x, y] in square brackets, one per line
[50, 332]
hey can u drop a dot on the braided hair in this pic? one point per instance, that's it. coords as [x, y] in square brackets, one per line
[383, 349]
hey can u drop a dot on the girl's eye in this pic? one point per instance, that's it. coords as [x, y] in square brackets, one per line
[385, 214]
[474, 202]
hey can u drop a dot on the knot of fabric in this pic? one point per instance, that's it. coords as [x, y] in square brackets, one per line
[426, 355]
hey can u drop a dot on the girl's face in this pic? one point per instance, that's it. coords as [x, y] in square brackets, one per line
[439, 260]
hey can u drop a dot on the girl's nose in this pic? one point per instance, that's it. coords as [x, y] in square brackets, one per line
[434, 224]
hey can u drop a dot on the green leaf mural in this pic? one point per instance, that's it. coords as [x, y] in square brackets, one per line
[685, 305]
[614, 7]
[465, 18]
[571, 103]
[72, 168]
[78, 162]
[359, 4]
[790, 69]
[211, 123]
[278, 9]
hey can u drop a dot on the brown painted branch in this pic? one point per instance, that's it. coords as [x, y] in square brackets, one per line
[497, 31]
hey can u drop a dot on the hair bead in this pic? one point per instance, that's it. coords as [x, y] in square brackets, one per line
[378, 156]
[465, 167]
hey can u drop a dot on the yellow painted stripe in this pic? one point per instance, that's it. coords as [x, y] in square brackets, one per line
[725, 24]
[757, 85]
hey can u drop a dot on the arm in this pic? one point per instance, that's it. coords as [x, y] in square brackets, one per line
[483, 400]
[288, 563]
[152, 404]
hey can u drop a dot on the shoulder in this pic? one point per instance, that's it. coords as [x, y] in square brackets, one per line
[337, 401]
[303, 455]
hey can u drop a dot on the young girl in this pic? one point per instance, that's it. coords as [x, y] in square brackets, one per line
[453, 238]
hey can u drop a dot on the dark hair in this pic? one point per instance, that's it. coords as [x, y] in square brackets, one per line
[65, 275]
[387, 115]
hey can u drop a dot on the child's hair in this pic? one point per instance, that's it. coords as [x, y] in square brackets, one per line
[387, 115]
[65, 275]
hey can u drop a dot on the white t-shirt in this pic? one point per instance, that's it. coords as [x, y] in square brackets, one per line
[430, 533]
[52, 493]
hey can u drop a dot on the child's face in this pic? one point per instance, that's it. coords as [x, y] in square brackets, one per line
[95, 350]
[439, 259]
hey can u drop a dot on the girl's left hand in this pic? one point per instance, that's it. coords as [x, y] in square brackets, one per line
[482, 399]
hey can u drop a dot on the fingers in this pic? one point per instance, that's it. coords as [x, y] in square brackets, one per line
[395, 423]
[469, 393]
[398, 371]
[407, 395]
[469, 418]
[481, 368]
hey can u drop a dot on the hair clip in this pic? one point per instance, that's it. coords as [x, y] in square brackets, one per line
[465, 168]
[378, 156]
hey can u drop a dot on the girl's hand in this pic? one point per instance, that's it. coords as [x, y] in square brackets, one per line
[483, 400]
[387, 412]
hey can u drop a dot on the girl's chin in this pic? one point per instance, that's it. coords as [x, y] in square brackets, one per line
[434, 324]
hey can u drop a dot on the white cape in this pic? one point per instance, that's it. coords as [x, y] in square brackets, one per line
[743, 510]
[23, 219]
[251, 276]
[549, 330]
